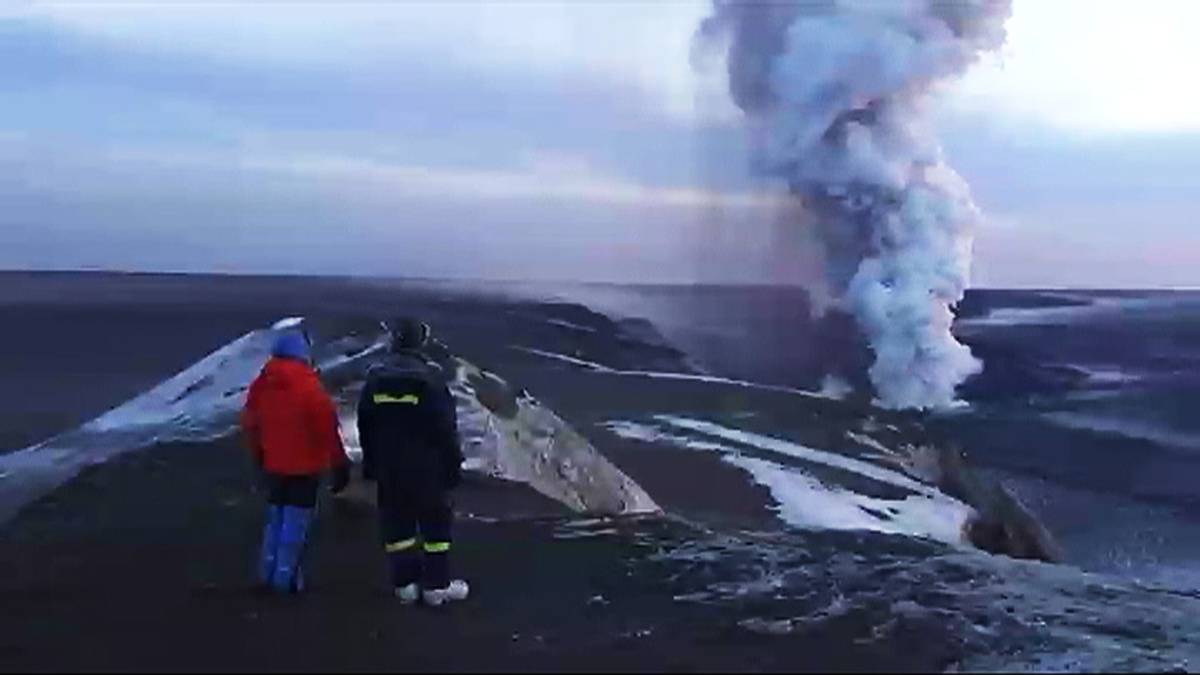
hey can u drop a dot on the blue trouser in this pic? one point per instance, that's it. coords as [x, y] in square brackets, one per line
[405, 514]
[289, 557]
[291, 504]
[270, 544]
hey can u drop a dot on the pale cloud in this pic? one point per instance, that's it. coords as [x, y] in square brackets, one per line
[1078, 247]
[1089, 66]
[575, 131]
[541, 177]
[17, 9]
[179, 209]
[1093, 67]
[641, 44]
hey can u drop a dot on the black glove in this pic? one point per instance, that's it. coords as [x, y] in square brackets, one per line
[339, 478]
[262, 480]
[453, 477]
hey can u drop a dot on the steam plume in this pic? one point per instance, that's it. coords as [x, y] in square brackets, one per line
[835, 92]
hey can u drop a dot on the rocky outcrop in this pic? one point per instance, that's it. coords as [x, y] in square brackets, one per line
[1000, 524]
[508, 434]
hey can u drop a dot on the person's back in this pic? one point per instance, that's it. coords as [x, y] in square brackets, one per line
[408, 415]
[291, 427]
[409, 434]
[291, 413]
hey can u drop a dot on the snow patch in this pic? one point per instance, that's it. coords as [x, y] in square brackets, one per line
[582, 363]
[835, 387]
[713, 379]
[661, 375]
[801, 452]
[289, 322]
[805, 501]
[1100, 375]
[1134, 429]
[199, 404]
[570, 325]
[867, 441]
[1083, 306]
[650, 434]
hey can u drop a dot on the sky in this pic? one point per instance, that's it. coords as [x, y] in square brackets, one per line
[549, 140]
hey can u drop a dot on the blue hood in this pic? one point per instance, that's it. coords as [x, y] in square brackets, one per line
[291, 344]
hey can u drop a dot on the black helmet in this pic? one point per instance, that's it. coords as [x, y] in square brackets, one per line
[408, 333]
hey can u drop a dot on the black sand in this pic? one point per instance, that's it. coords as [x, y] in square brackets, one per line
[145, 563]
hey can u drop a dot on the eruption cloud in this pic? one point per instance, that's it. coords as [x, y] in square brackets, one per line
[835, 95]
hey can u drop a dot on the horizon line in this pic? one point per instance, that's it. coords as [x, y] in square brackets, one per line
[520, 280]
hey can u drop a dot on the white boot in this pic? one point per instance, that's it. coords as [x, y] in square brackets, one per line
[457, 590]
[408, 594]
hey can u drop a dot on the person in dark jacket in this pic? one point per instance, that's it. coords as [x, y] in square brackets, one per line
[290, 425]
[408, 428]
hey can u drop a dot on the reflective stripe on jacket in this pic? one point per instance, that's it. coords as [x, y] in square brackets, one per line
[408, 426]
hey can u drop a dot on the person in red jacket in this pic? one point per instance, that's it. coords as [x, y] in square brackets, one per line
[290, 424]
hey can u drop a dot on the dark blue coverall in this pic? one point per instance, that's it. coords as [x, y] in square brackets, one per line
[408, 428]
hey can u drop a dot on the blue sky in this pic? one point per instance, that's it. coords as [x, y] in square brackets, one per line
[547, 140]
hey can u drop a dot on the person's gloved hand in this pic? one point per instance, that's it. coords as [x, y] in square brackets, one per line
[261, 479]
[339, 478]
[453, 477]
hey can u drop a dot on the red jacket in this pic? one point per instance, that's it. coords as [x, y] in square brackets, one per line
[290, 421]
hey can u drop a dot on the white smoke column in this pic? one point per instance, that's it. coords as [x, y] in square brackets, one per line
[835, 93]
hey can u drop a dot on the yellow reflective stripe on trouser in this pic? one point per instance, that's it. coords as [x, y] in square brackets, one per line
[403, 545]
[437, 546]
[410, 399]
